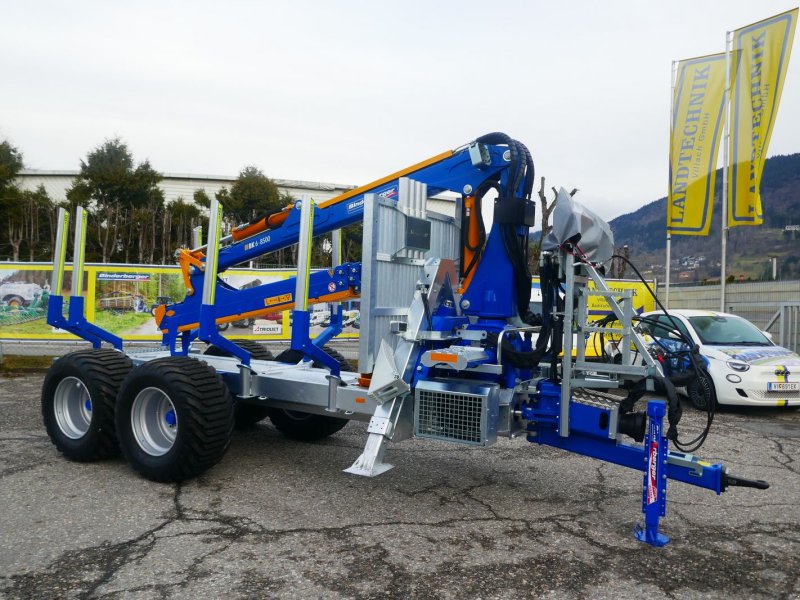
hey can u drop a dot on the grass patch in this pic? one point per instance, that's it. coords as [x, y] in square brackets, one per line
[120, 322]
[36, 326]
[15, 363]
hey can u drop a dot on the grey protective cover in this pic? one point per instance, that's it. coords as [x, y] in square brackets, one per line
[571, 218]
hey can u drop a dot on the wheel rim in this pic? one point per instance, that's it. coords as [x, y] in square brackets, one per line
[73, 407]
[154, 421]
[701, 393]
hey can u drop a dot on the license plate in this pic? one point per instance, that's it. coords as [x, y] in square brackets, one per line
[782, 386]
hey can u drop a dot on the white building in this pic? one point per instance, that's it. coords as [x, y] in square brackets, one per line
[179, 185]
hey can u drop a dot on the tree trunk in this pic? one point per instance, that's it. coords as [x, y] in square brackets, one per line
[15, 238]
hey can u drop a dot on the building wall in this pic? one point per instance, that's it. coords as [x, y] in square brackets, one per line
[175, 185]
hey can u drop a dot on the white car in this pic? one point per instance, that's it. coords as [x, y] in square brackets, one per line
[744, 365]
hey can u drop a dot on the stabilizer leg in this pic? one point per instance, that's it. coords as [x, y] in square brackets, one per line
[390, 422]
[654, 493]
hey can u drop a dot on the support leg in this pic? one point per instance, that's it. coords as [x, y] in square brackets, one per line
[654, 494]
[390, 422]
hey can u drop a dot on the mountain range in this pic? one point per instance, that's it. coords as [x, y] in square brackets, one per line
[696, 258]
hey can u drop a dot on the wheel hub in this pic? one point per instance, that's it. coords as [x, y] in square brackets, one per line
[154, 421]
[73, 407]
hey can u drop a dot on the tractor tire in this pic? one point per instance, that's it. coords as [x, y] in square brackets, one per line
[78, 398]
[16, 301]
[303, 426]
[174, 418]
[701, 391]
[246, 415]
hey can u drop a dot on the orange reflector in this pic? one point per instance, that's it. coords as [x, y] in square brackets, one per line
[365, 379]
[442, 357]
[360, 400]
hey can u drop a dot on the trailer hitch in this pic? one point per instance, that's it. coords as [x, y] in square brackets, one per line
[729, 480]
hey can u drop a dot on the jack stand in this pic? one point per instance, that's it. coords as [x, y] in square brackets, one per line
[654, 494]
[386, 424]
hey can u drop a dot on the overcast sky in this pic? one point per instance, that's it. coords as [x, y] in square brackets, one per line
[347, 92]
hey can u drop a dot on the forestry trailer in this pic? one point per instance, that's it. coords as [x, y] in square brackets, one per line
[448, 347]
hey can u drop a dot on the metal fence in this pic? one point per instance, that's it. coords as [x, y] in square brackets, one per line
[774, 306]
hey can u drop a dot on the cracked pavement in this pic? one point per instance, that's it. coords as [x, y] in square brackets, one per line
[278, 519]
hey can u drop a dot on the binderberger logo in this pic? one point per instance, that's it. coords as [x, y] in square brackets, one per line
[355, 205]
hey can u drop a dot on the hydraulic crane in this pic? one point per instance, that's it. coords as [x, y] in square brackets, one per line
[448, 348]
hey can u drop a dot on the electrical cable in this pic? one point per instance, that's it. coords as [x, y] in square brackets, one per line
[697, 442]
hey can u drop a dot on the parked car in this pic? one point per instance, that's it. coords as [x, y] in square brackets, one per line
[17, 294]
[741, 364]
[276, 317]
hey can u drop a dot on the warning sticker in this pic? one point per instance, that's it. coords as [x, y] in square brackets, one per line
[282, 299]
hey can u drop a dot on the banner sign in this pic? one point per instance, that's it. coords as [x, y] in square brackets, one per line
[598, 306]
[122, 299]
[695, 132]
[759, 59]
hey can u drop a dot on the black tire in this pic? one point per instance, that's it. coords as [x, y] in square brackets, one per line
[84, 432]
[256, 350]
[244, 323]
[246, 415]
[16, 301]
[201, 424]
[701, 391]
[303, 426]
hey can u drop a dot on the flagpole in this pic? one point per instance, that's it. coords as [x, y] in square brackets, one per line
[673, 79]
[669, 261]
[726, 159]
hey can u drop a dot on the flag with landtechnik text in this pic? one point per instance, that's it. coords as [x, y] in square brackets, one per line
[695, 133]
[759, 59]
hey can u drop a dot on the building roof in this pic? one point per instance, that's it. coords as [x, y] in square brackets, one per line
[183, 185]
[176, 185]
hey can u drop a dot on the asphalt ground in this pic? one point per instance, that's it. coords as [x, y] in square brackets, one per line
[279, 519]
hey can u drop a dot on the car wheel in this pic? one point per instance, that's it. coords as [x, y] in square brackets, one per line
[701, 391]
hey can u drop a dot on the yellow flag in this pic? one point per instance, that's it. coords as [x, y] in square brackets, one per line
[759, 58]
[695, 133]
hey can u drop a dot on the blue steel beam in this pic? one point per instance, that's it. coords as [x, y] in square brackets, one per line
[452, 173]
[278, 295]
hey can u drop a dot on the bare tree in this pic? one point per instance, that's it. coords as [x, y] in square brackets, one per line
[547, 207]
[619, 266]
